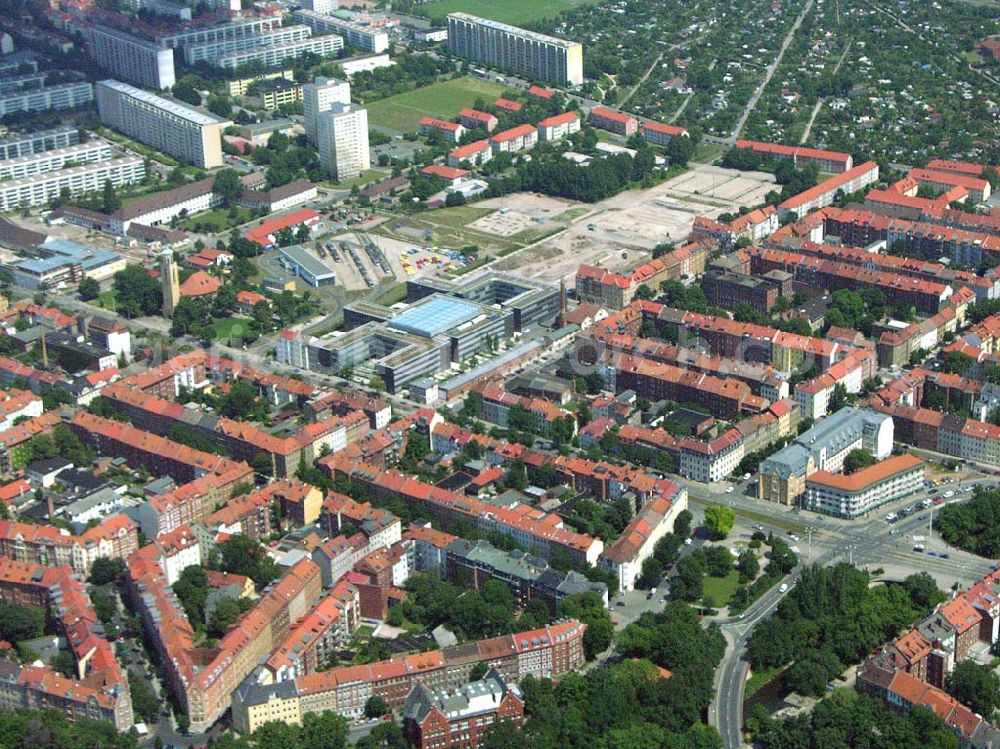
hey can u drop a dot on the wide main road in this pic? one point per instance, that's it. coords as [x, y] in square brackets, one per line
[869, 542]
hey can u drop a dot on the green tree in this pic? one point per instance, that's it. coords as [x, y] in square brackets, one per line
[719, 520]
[20, 622]
[228, 187]
[136, 292]
[109, 200]
[191, 590]
[682, 524]
[375, 707]
[858, 459]
[748, 566]
[589, 609]
[324, 731]
[976, 686]
[105, 570]
[89, 289]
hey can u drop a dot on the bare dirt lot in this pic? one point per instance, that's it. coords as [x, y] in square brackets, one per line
[620, 232]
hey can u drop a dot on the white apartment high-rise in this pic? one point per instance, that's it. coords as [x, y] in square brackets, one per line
[506, 47]
[185, 133]
[133, 59]
[319, 96]
[343, 141]
[320, 6]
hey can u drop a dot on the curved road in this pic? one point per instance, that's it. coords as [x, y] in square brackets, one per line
[865, 541]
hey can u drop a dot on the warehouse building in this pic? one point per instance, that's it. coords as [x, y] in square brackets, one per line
[303, 264]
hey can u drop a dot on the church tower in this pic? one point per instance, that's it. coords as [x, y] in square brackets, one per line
[170, 281]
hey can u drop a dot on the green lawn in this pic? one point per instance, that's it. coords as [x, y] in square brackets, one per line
[366, 178]
[720, 589]
[106, 299]
[445, 100]
[456, 217]
[216, 221]
[759, 679]
[230, 330]
[506, 11]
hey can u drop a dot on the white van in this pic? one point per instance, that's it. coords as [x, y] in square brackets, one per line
[783, 588]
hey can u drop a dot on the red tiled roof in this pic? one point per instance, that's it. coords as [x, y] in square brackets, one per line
[200, 283]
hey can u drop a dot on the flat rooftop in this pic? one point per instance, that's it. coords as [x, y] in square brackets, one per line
[306, 260]
[435, 316]
[183, 111]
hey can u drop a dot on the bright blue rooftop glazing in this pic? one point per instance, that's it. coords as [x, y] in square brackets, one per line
[438, 315]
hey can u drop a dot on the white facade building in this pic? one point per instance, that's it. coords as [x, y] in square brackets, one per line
[185, 133]
[277, 55]
[209, 51]
[320, 96]
[853, 496]
[373, 40]
[342, 134]
[50, 161]
[63, 96]
[133, 59]
[43, 188]
[505, 47]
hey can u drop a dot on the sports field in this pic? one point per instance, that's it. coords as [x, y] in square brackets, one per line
[515, 12]
[446, 99]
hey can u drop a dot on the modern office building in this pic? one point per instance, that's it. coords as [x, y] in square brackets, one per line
[246, 27]
[130, 58]
[320, 96]
[859, 493]
[373, 40]
[532, 302]
[63, 96]
[209, 51]
[444, 322]
[43, 188]
[240, 86]
[25, 144]
[49, 161]
[505, 47]
[185, 133]
[342, 136]
[277, 55]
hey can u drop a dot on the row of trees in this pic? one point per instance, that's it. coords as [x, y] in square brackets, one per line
[833, 619]
[973, 525]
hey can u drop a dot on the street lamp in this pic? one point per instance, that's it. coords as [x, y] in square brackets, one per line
[809, 530]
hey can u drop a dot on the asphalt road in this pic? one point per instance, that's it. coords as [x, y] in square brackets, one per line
[867, 542]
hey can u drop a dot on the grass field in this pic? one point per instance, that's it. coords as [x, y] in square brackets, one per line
[230, 330]
[216, 220]
[106, 299]
[720, 589]
[506, 11]
[445, 99]
[364, 179]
